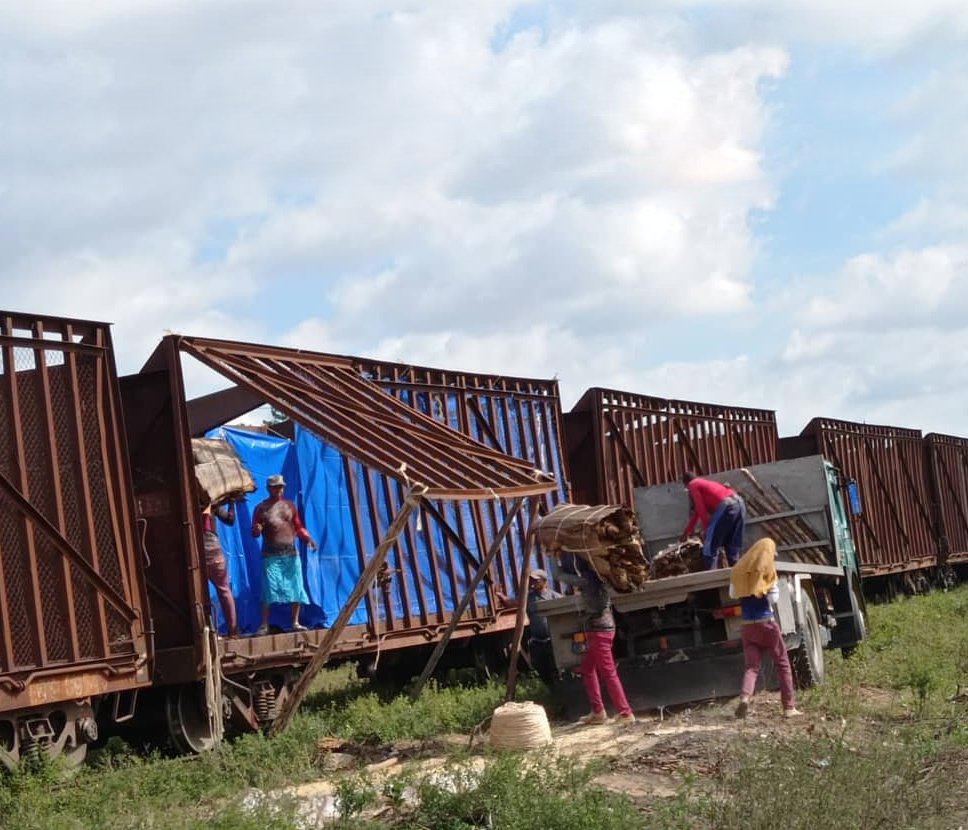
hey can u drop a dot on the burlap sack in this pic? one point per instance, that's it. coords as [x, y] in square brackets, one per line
[219, 472]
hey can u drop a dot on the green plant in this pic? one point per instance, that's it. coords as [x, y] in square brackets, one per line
[353, 795]
[515, 793]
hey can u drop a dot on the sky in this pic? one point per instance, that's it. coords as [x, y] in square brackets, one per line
[748, 202]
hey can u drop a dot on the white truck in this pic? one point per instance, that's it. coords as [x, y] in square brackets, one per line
[678, 638]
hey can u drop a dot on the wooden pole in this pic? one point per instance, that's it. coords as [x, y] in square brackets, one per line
[282, 720]
[524, 587]
[466, 599]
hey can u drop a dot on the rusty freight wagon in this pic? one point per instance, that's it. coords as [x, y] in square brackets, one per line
[617, 441]
[947, 460]
[359, 436]
[73, 627]
[887, 485]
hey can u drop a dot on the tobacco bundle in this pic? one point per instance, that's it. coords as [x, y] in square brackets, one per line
[606, 536]
[218, 471]
[678, 558]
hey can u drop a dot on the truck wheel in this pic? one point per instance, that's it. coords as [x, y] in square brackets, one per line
[806, 659]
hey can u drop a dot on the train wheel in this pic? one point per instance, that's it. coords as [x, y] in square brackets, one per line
[188, 723]
[806, 659]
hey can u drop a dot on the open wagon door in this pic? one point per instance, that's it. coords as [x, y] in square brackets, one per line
[71, 590]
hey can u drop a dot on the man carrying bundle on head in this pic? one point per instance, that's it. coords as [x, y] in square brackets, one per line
[721, 512]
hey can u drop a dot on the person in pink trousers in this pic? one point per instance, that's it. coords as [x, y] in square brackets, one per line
[754, 580]
[598, 663]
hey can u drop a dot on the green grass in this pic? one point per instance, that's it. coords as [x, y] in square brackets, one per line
[120, 789]
[888, 750]
[510, 792]
[891, 750]
[915, 660]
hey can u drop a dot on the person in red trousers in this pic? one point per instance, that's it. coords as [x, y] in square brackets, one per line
[754, 580]
[598, 663]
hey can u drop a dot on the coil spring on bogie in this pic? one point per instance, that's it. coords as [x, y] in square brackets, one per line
[265, 702]
[32, 752]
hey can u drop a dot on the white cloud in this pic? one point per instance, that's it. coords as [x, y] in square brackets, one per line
[424, 183]
[908, 289]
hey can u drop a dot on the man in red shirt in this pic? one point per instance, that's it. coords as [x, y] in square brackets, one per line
[722, 513]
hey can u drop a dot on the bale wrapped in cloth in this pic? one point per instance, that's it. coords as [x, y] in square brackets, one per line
[219, 472]
[606, 536]
[678, 558]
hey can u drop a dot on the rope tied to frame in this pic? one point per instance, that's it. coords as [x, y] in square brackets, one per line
[415, 492]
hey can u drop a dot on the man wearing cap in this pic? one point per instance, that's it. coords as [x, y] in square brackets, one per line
[539, 634]
[277, 520]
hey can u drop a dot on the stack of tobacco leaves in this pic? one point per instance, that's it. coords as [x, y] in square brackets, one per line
[219, 473]
[678, 558]
[606, 536]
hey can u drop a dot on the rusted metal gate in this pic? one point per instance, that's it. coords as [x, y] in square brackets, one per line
[947, 460]
[617, 441]
[895, 530]
[517, 416]
[71, 615]
[502, 431]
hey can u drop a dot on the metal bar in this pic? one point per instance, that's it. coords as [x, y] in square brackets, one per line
[436, 558]
[371, 609]
[452, 535]
[283, 719]
[523, 587]
[85, 506]
[99, 391]
[474, 407]
[67, 595]
[59, 345]
[374, 512]
[33, 598]
[466, 600]
[64, 548]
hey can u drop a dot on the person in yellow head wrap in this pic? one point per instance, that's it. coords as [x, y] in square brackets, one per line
[754, 580]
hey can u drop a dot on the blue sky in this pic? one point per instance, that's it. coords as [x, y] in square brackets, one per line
[754, 202]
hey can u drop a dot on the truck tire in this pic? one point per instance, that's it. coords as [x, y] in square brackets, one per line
[806, 659]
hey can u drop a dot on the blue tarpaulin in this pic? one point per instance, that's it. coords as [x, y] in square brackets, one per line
[320, 480]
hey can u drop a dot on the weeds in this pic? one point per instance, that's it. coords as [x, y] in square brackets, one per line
[514, 795]
[898, 759]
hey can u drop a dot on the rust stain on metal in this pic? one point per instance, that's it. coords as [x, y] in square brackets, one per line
[947, 460]
[71, 590]
[618, 441]
[327, 395]
[895, 530]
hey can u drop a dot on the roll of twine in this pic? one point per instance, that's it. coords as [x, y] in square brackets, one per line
[520, 726]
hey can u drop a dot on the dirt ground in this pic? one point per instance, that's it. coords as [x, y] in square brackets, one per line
[650, 758]
[645, 760]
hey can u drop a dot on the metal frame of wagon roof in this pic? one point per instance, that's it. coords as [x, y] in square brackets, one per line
[327, 394]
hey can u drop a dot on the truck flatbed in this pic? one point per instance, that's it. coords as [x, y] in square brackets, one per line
[671, 589]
